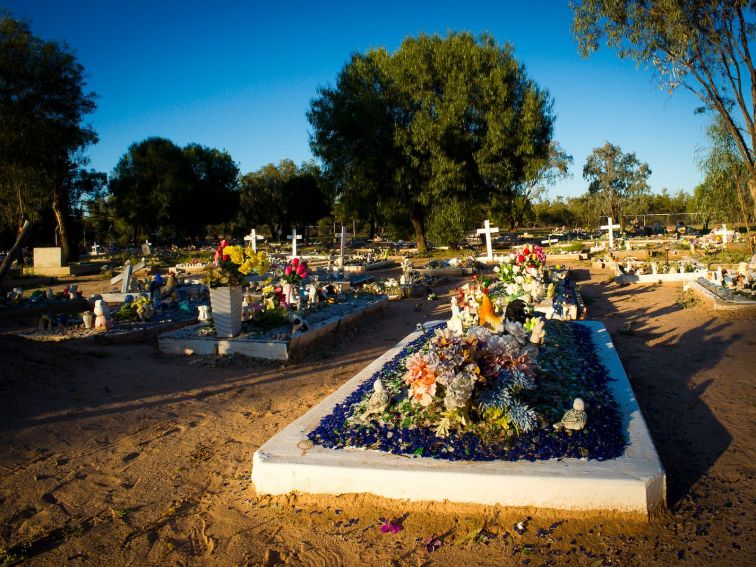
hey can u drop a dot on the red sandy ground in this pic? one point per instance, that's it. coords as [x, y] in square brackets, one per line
[122, 456]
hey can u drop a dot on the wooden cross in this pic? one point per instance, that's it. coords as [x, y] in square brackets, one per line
[344, 235]
[723, 233]
[488, 230]
[610, 227]
[294, 237]
[253, 237]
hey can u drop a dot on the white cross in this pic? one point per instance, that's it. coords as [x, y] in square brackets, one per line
[344, 235]
[294, 237]
[488, 230]
[253, 237]
[610, 227]
[95, 248]
[723, 232]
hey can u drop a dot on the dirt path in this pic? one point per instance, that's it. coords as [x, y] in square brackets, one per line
[121, 455]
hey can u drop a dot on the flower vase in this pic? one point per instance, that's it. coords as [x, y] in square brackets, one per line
[226, 304]
[290, 294]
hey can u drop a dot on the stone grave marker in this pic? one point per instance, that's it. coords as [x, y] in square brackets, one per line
[488, 230]
[146, 248]
[344, 236]
[51, 257]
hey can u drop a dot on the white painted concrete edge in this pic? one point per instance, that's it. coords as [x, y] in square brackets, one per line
[635, 482]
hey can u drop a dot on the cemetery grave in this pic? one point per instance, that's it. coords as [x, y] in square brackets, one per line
[50, 262]
[455, 266]
[731, 290]
[358, 439]
[280, 342]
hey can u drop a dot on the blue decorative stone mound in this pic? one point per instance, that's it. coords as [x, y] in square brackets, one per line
[568, 368]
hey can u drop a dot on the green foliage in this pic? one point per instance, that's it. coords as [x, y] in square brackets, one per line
[440, 120]
[279, 196]
[158, 187]
[724, 190]
[43, 101]
[615, 177]
[704, 46]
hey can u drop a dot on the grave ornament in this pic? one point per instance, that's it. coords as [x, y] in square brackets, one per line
[574, 419]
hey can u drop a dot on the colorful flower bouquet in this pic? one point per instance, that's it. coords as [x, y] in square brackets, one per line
[231, 264]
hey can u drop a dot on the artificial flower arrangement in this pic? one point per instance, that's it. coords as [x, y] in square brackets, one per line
[294, 272]
[231, 264]
[390, 287]
[469, 381]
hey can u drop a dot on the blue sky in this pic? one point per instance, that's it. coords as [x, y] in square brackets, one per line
[240, 75]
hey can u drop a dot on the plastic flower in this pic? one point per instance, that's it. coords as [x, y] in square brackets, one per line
[421, 379]
[392, 527]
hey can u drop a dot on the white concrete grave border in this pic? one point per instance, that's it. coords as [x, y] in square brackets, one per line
[181, 342]
[632, 483]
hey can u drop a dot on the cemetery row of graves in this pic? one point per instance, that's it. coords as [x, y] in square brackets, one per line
[517, 385]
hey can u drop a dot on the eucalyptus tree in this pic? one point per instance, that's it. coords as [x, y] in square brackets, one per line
[43, 102]
[724, 189]
[615, 177]
[703, 46]
[440, 122]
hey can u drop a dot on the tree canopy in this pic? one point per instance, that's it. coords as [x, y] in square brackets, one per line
[43, 101]
[281, 196]
[615, 177]
[158, 187]
[440, 121]
[703, 46]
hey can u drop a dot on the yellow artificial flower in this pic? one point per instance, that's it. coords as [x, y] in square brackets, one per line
[247, 266]
[235, 252]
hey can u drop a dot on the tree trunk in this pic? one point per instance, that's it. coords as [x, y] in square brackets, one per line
[743, 210]
[752, 189]
[15, 250]
[418, 223]
[59, 209]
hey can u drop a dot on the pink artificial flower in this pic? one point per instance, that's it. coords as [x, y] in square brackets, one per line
[301, 270]
[391, 527]
[287, 271]
[295, 262]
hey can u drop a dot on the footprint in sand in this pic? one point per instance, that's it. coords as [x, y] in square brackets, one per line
[130, 457]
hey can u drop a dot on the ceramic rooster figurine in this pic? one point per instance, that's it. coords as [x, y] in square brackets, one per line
[487, 316]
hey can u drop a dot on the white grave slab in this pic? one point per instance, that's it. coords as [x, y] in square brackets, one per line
[633, 483]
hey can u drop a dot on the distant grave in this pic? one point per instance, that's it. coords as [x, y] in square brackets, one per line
[50, 261]
[280, 343]
[721, 298]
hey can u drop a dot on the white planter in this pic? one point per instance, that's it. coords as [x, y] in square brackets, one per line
[226, 303]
